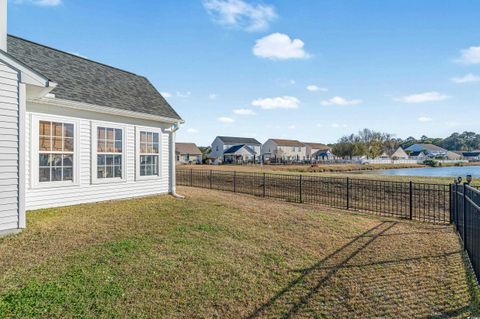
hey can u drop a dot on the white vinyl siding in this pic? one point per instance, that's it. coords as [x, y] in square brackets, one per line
[87, 190]
[9, 150]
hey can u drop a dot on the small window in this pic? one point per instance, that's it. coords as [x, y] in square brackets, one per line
[56, 151]
[149, 153]
[109, 152]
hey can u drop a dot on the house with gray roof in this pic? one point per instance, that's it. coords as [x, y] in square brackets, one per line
[188, 153]
[429, 150]
[222, 143]
[284, 150]
[73, 131]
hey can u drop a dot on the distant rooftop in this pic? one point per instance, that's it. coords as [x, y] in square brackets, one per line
[238, 140]
[283, 142]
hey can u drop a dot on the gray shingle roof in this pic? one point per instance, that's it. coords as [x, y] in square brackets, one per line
[238, 140]
[86, 81]
[283, 142]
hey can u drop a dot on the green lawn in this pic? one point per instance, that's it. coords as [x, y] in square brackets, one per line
[226, 255]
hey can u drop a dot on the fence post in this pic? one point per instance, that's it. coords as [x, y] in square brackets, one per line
[300, 189]
[411, 200]
[191, 177]
[234, 181]
[348, 193]
[264, 184]
[211, 177]
[464, 215]
[450, 201]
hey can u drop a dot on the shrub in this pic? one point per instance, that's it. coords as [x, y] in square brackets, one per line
[430, 162]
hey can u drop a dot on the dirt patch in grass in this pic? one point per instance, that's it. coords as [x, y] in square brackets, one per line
[225, 255]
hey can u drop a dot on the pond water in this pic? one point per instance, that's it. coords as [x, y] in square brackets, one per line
[453, 171]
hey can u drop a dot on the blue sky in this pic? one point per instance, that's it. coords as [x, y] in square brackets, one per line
[307, 70]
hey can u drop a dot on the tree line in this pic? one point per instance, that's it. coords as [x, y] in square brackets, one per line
[373, 144]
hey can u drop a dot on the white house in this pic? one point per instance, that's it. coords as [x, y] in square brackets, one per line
[75, 131]
[284, 150]
[239, 154]
[318, 151]
[221, 143]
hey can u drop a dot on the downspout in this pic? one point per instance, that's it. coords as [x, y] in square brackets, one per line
[171, 142]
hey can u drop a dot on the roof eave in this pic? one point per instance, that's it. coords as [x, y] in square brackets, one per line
[105, 110]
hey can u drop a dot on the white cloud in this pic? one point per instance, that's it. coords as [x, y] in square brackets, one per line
[212, 96]
[292, 82]
[192, 130]
[423, 97]
[244, 112]
[226, 120]
[336, 125]
[166, 94]
[425, 119]
[241, 14]
[280, 102]
[279, 46]
[314, 88]
[42, 3]
[291, 127]
[338, 100]
[184, 95]
[467, 78]
[469, 56]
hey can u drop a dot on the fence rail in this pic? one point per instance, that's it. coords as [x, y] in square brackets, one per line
[466, 217]
[417, 201]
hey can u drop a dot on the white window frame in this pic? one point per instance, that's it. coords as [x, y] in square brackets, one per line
[35, 151]
[139, 129]
[94, 151]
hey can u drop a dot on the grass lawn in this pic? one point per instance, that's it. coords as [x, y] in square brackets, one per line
[225, 255]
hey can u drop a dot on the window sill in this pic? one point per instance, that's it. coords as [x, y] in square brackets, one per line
[108, 181]
[148, 178]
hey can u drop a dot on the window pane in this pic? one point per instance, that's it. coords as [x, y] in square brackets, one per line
[155, 148]
[68, 145]
[118, 146]
[109, 160]
[100, 160]
[155, 169]
[155, 160]
[155, 138]
[57, 129]
[148, 170]
[110, 148]
[44, 144]
[101, 135]
[118, 171]
[44, 128]
[68, 130]
[44, 160]
[118, 160]
[118, 134]
[143, 148]
[68, 174]
[101, 172]
[142, 170]
[149, 137]
[101, 148]
[109, 172]
[143, 137]
[44, 175]
[57, 174]
[68, 160]
[110, 134]
[56, 160]
[57, 144]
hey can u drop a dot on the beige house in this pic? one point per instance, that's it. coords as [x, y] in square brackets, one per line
[284, 150]
[399, 153]
[188, 153]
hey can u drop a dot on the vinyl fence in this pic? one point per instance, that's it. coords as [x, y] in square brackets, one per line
[417, 201]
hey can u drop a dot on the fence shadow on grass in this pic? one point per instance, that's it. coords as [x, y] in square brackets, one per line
[320, 289]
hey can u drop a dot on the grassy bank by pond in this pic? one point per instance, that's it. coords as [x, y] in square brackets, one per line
[227, 255]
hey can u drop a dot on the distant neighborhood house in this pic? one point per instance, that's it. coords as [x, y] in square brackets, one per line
[245, 149]
[427, 150]
[188, 153]
[318, 151]
[284, 150]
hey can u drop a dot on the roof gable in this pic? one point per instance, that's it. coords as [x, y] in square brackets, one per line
[187, 148]
[86, 81]
[236, 148]
[281, 142]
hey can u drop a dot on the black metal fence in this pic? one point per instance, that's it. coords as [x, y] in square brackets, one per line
[418, 201]
[466, 217]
